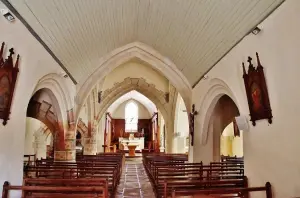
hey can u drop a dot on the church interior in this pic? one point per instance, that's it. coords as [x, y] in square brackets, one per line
[149, 98]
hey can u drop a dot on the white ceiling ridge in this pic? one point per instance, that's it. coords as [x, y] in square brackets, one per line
[145, 53]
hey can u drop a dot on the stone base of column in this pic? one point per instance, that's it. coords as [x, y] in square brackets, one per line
[90, 146]
[69, 155]
[90, 149]
[60, 156]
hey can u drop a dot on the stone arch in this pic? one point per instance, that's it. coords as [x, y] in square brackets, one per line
[129, 84]
[216, 89]
[57, 89]
[40, 110]
[146, 54]
[141, 86]
[223, 114]
[60, 92]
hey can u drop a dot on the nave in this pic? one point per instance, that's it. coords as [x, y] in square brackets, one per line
[202, 80]
[134, 181]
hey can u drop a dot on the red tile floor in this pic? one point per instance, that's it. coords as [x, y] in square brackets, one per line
[134, 182]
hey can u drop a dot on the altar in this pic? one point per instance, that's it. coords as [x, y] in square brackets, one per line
[138, 142]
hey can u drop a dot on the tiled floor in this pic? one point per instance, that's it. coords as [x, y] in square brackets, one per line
[134, 182]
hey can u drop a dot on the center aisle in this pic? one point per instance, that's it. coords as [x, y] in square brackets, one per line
[134, 181]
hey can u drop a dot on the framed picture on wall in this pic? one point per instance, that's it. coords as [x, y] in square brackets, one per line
[8, 77]
[257, 92]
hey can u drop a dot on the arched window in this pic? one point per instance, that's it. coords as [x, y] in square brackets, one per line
[131, 117]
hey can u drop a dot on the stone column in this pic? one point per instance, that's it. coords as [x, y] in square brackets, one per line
[70, 145]
[40, 146]
[59, 144]
[169, 136]
[90, 143]
[66, 150]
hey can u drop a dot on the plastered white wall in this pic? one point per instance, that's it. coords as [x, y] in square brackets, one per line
[270, 150]
[119, 113]
[35, 63]
[136, 70]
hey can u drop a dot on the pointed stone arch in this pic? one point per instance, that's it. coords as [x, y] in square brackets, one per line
[136, 50]
[129, 84]
[216, 89]
[56, 84]
[148, 90]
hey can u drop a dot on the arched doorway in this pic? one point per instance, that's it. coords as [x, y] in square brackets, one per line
[223, 115]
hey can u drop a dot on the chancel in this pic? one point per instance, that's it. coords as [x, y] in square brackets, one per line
[144, 98]
[131, 126]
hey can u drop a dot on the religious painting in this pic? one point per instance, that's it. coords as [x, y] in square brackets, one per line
[8, 77]
[4, 91]
[257, 93]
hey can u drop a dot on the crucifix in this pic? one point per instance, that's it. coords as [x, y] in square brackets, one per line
[192, 124]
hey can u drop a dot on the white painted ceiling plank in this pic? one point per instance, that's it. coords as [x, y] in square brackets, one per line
[194, 34]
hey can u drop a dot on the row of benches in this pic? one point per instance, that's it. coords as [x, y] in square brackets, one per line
[172, 175]
[90, 176]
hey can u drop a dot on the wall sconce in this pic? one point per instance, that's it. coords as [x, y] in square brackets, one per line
[256, 31]
[7, 15]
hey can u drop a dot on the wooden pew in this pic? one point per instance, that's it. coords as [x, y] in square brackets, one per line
[86, 163]
[62, 189]
[182, 172]
[73, 170]
[174, 168]
[29, 160]
[190, 185]
[228, 192]
[233, 159]
[87, 166]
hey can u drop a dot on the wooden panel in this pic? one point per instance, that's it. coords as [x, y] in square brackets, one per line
[146, 125]
[119, 126]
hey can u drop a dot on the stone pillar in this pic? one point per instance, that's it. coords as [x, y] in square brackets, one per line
[169, 136]
[90, 143]
[70, 145]
[66, 150]
[40, 147]
[59, 150]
